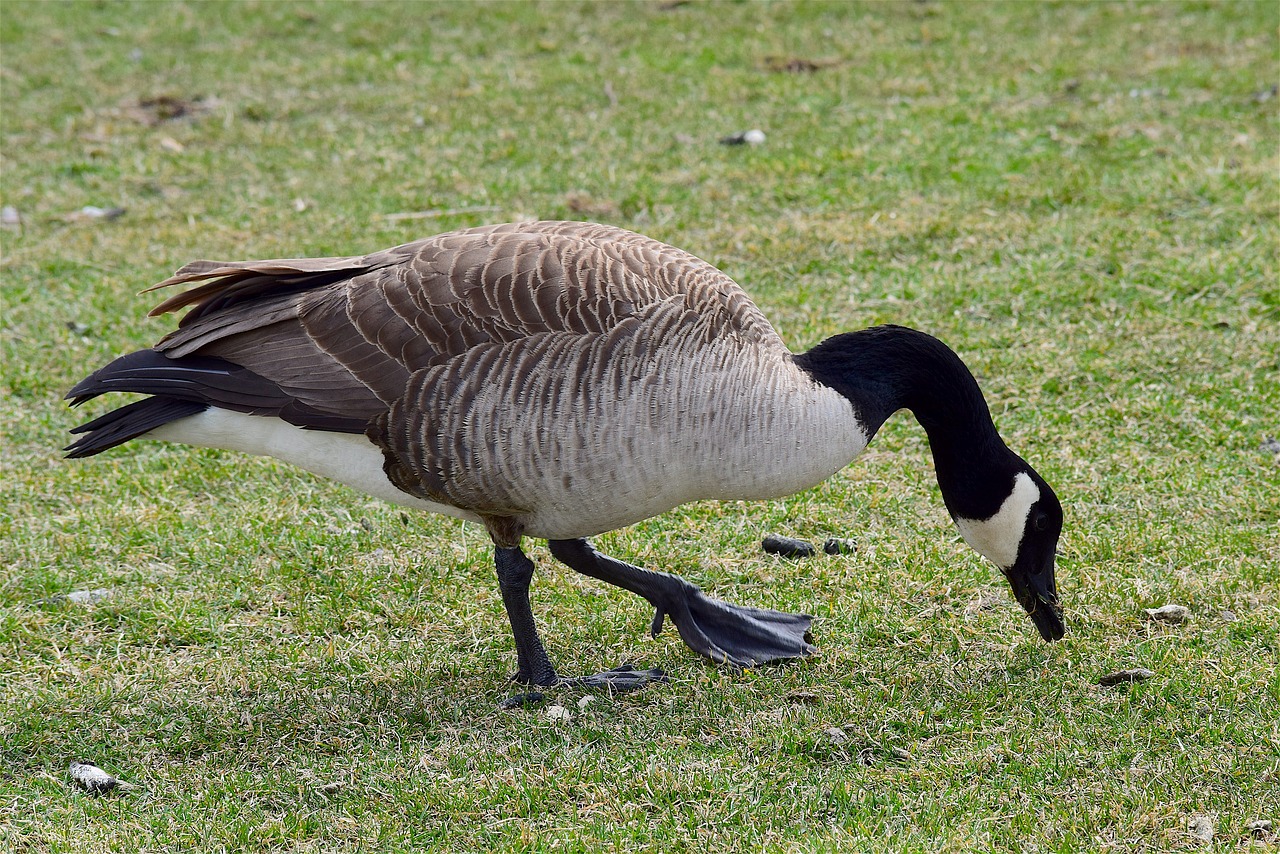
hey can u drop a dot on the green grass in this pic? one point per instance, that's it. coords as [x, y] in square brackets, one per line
[1082, 199]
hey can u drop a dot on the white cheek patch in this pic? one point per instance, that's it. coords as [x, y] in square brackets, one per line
[998, 537]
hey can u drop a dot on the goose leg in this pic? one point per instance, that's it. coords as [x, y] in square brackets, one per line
[724, 633]
[515, 572]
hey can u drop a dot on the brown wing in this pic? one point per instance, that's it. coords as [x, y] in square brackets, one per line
[346, 334]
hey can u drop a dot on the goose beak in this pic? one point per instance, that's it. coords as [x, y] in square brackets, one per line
[1033, 586]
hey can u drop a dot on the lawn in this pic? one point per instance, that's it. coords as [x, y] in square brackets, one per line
[1083, 200]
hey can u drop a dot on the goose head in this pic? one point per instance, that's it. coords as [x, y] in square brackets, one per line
[1021, 538]
[1002, 507]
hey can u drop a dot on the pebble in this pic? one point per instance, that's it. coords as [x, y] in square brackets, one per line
[1168, 613]
[558, 713]
[1259, 829]
[77, 597]
[755, 136]
[94, 779]
[88, 597]
[1138, 674]
[1201, 827]
[95, 212]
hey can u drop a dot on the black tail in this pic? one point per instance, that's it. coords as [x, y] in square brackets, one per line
[183, 387]
[129, 422]
[200, 378]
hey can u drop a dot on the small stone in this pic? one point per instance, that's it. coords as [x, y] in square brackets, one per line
[95, 212]
[755, 136]
[558, 713]
[1138, 674]
[1228, 616]
[1201, 827]
[331, 787]
[585, 700]
[775, 544]
[9, 217]
[837, 546]
[88, 597]
[1168, 614]
[1259, 829]
[1271, 445]
[94, 779]
[837, 735]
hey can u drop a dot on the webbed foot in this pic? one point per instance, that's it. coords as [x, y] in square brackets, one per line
[733, 634]
[620, 679]
[724, 633]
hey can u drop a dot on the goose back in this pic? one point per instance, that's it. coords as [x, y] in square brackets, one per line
[344, 334]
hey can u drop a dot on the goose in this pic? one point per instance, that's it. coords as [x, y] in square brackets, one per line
[557, 380]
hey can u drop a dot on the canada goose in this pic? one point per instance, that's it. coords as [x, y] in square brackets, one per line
[558, 380]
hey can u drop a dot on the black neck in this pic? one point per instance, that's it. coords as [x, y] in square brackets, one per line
[887, 368]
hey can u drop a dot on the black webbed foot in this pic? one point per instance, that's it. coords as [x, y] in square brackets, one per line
[620, 679]
[733, 634]
[522, 700]
[724, 633]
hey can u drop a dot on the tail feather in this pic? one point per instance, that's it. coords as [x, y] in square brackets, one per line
[182, 387]
[203, 378]
[129, 422]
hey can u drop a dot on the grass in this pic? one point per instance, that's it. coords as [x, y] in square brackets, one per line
[1082, 199]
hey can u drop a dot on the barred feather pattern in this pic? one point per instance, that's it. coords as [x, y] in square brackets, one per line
[512, 370]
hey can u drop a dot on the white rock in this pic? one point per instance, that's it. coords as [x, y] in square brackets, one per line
[94, 779]
[1168, 613]
[1201, 827]
[558, 713]
[88, 597]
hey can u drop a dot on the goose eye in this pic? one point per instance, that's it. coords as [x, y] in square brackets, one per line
[1040, 522]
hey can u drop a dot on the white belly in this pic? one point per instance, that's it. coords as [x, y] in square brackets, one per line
[345, 457]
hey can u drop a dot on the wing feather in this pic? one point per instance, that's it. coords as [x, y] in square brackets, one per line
[355, 335]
